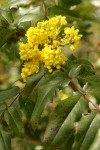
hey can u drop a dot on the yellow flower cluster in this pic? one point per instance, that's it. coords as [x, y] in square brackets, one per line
[52, 57]
[53, 26]
[44, 45]
[36, 36]
[27, 52]
[72, 38]
[30, 67]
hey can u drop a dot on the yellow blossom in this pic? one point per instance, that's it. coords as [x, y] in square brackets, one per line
[30, 67]
[55, 44]
[53, 25]
[72, 38]
[44, 45]
[36, 36]
[27, 52]
[52, 58]
[64, 96]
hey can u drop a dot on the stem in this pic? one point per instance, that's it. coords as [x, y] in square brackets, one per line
[75, 88]
[18, 95]
[45, 9]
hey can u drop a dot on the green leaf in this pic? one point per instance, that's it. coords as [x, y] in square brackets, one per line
[70, 14]
[31, 9]
[15, 3]
[81, 128]
[28, 16]
[94, 90]
[93, 86]
[96, 14]
[25, 144]
[70, 2]
[7, 15]
[69, 143]
[87, 67]
[50, 3]
[58, 116]
[92, 79]
[75, 71]
[27, 19]
[33, 80]
[7, 94]
[6, 34]
[78, 67]
[86, 12]
[27, 100]
[3, 22]
[68, 125]
[91, 133]
[27, 106]
[13, 119]
[36, 77]
[43, 93]
[2, 108]
[96, 143]
[10, 49]
[5, 141]
[70, 62]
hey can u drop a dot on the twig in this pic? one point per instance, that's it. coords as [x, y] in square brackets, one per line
[18, 95]
[73, 85]
[93, 48]
[45, 9]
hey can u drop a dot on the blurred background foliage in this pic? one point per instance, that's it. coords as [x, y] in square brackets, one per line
[16, 16]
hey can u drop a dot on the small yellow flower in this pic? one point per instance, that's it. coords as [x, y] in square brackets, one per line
[27, 52]
[53, 26]
[52, 58]
[64, 96]
[30, 67]
[72, 38]
[36, 36]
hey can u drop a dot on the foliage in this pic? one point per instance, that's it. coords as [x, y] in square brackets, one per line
[35, 116]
